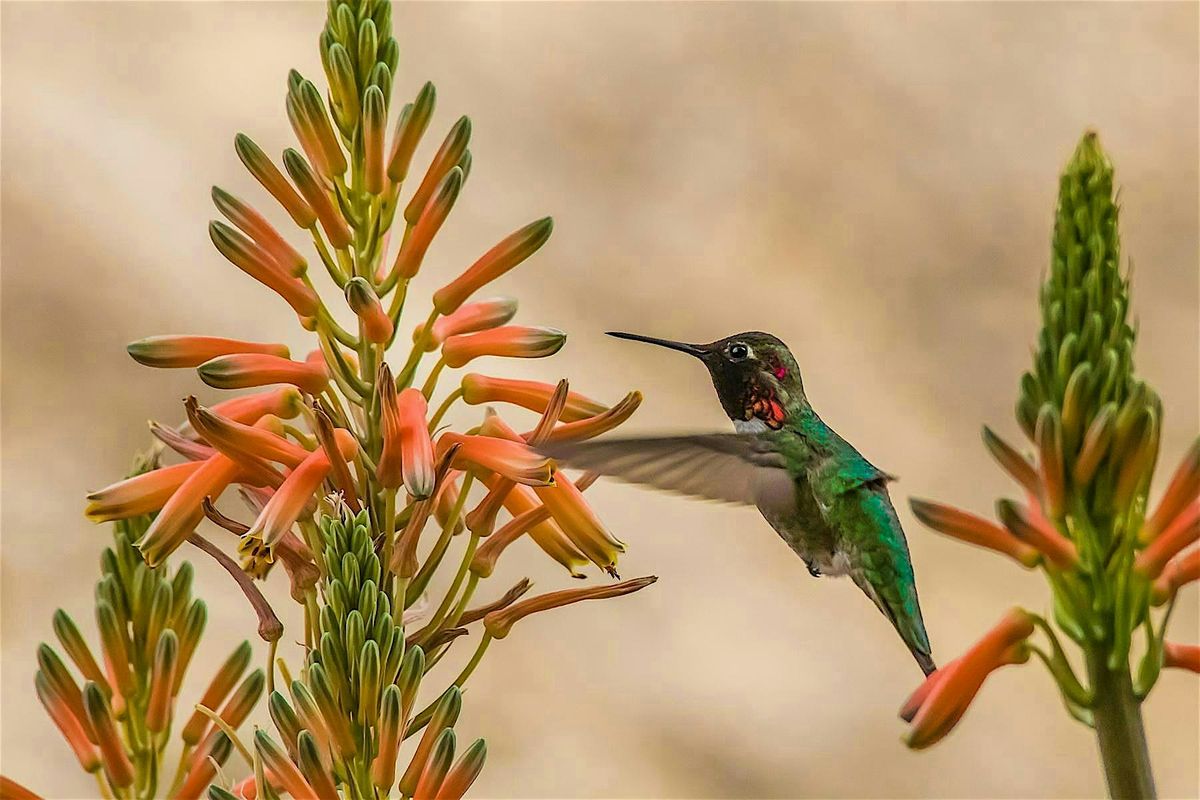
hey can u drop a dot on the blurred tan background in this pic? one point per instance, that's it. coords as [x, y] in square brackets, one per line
[873, 183]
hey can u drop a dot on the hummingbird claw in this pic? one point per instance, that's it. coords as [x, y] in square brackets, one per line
[813, 569]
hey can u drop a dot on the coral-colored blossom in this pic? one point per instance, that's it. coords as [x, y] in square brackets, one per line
[577, 519]
[471, 318]
[974, 530]
[510, 341]
[1179, 571]
[433, 215]
[533, 395]
[547, 534]
[1183, 489]
[1031, 527]
[192, 351]
[258, 442]
[1178, 534]
[250, 257]
[284, 402]
[140, 494]
[407, 455]
[11, 790]
[314, 193]
[510, 252]
[365, 304]
[247, 370]
[499, 623]
[183, 511]
[511, 460]
[68, 724]
[594, 426]
[939, 703]
[1181, 656]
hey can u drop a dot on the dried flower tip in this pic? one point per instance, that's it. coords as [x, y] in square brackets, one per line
[363, 301]
[510, 252]
[410, 127]
[480, 389]
[445, 714]
[1181, 656]
[446, 158]
[276, 761]
[594, 426]
[577, 519]
[937, 706]
[470, 318]
[141, 494]
[113, 758]
[244, 371]
[254, 225]
[273, 181]
[192, 351]
[430, 783]
[974, 530]
[504, 601]
[1183, 489]
[464, 773]
[1037, 531]
[510, 460]
[1184, 530]
[310, 187]
[499, 623]
[68, 722]
[433, 215]
[162, 682]
[251, 258]
[218, 689]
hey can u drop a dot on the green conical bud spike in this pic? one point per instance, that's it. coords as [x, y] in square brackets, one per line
[160, 613]
[368, 596]
[333, 562]
[190, 632]
[372, 570]
[382, 17]
[356, 632]
[333, 659]
[381, 76]
[339, 726]
[1075, 406]
[446, 158]
[412, 669]
[285, 719]
[383, 636]
[337, 601]
[389, 54]
[343, 88]
[307, 710]
[368, 44]
[351, 575]
[76, 648]
[374, 123]
[294, 79]
[1048, 436]
[345, 28]
[181, 591]
[369, 669]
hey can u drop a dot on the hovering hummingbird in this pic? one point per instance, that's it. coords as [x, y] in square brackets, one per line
[827, 502]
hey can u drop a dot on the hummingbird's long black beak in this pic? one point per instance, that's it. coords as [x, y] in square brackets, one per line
[683, 347]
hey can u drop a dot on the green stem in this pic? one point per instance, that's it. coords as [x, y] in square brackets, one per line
[1118, 720]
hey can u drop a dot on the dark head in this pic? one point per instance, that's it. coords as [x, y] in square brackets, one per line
[754, 374]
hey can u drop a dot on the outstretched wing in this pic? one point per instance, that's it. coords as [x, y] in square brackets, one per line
[726, 467]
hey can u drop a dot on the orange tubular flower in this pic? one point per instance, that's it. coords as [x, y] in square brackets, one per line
[272, 180]
[447, 498]
[534, 520]
[499, 623]
[284, 771]
[1179, 533]
[183, 511]
[514, 249]
[247, 370]
[258, 442]
[364, 302]
[479, 389]
[594, 426]
[511, 460]
[1179, 572]
[1182, 656]
[140, 494]
[580, 523]
[511, 341]
[113, 758]
[471, 318]
[192, 351]
[68, 724]
[251, 258]
[974, 530]
[939, 703]
[412, 252]
[11, 790]
[254, 225]
[1034, 529]
[415, 443]
[1183, 489]
[284, 403]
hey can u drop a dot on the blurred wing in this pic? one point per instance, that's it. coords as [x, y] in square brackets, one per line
[726, 467]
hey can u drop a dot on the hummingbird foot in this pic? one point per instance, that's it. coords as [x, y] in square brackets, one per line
[612, 572]
[813, 569]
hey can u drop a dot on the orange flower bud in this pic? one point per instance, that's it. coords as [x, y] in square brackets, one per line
[1182, 656]
[430, 783]
[499, 623]
[566, 504]
[470, 318]
[1179, 572]
[1034, 529]
[73, 643]
[218, 689]
[236, 708]
[480, 389]
[374, 118]
[511, 460]
[284, 771]
[310, 758]
[1179, 533]
[510, 341]
[68, 724]
[514, 249]
[389, 732]
[464, 773]
[284, 403]
[11, 790]
[974, 530]
[204, 768]
[363, 301]
[939, 703]
[183, 511]
[113, 758]
[1183, 489]
[247, 370]
[273, 181]
[251, 258]
[446, 158]
[192, 351]
[411, 125]
[407, 447]
[318, 198]
[1015, 464]
[1049, 437]
[592, 427]
[433, 215]
[445, 714]
[162, 680]
[241, 442]
[140, 494]
[254, 225]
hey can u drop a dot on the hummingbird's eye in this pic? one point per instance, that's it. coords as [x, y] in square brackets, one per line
[738, 351]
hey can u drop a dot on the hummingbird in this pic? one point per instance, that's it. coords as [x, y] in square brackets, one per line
[828, 503]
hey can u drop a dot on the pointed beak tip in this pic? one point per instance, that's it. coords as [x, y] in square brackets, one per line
[682, 347]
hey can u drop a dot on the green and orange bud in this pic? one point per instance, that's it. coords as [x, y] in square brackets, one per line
[445, 714]
[76, 648]
[312, 765]
[114, 648]
[66, 718]
[1015, 464]
[974, 530]
[283, 771]
[116, 763]
[510, 252]
[499, 623]
[434, 773]
[192, 351]
[238, 706]
[141, 494]
[162, 682]
[314, 193]
[596, 425]
[1096, 442]
[1182, 531]
[249, 370]
[577, 519]
[469, 318]
[331, 156]
[364, 302]
[1035, 530]
[510, 341]
[254, 225]
[1183, 489]
[272, 180]
[508, 459]
[218, 689]
[343, 86]
[203, 768]
[254, 260]
[390, 732]
[374, 118]
[463, 774]
[1181, 656]
[1179, 572]
[433, 215]
[310, 716]
[940, 702]
[410, 127]
[533, 395]
[446, 158]
[1049, 438]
